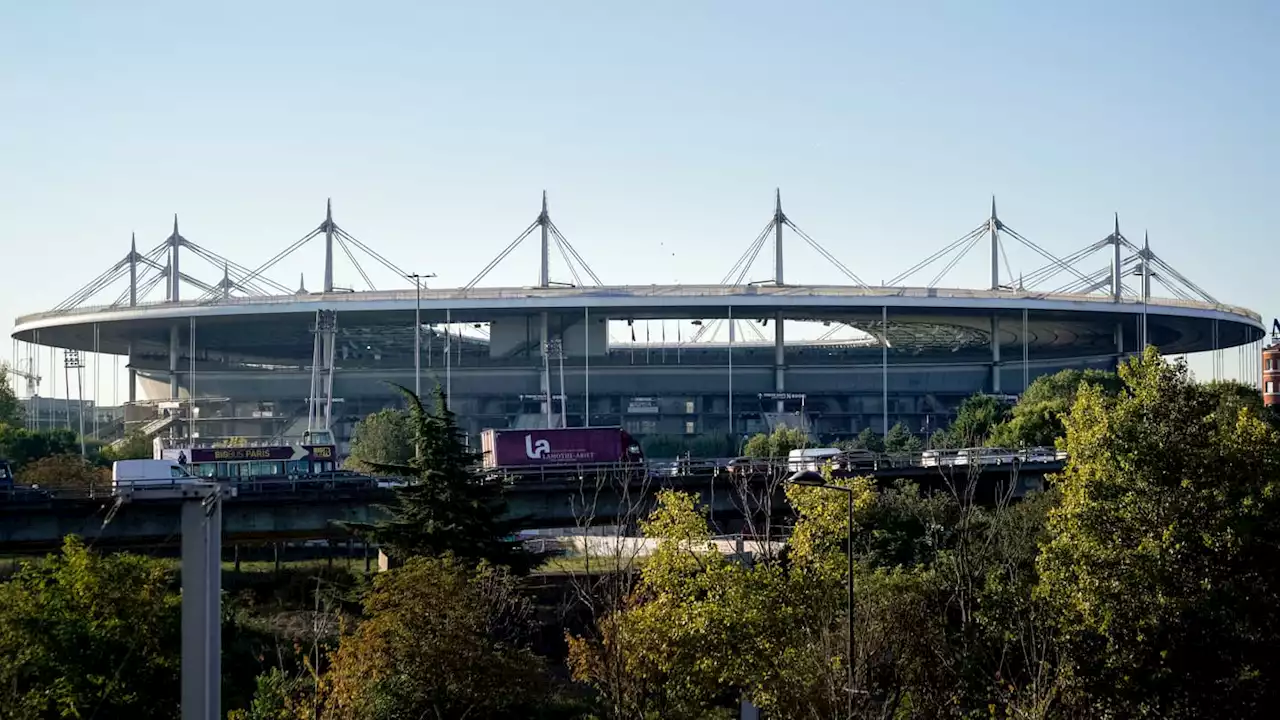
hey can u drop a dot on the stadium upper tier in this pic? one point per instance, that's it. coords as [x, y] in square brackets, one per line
[280, 327]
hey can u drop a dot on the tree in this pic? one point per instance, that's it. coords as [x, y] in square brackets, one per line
[384, 437]
[70, 474]
[85, 634]
[20, 446]
[446, 507]
[134, 447]
[1036, 419]
[439, 639]
[11, 410]
[1161, 559]
[900, 440]
[868, 439]
[976, 419]
[776, 444]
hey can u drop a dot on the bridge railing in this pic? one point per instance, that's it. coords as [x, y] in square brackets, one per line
[654, 470]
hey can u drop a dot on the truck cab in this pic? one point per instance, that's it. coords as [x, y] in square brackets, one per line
[131, 474]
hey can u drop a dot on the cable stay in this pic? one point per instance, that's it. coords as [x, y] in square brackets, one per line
[967, 241]
[1171, 274]
[500, 257]
[572, 258]
[823, 252]
[555, 231]
[117, 271]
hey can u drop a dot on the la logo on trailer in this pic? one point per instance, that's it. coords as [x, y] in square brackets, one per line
[535, 450]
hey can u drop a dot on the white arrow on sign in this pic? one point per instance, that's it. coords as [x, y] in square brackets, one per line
[299, 452]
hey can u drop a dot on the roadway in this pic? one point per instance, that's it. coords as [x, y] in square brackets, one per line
[302, 510]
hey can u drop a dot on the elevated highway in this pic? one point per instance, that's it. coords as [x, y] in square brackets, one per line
[312, 511]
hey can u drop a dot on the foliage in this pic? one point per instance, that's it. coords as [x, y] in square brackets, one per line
[776, 444]
[277, 696]
[384, 437]
[1037, 418]
[1161, 564]
[868, 439]
[135, 446]
[695, 446]
[975, 421]
[901, 440]
[11, 410]
[439, 639]
[67, 473]
[84, 634]
[20, 446]
[446, 507]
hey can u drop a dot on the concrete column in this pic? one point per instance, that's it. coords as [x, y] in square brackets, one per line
[174, 349]
[201, 608]
[779, 360]
[995, 353]
[544, 336]
[133, 376]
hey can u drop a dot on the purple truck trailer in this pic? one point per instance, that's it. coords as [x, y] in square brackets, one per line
[546, 448]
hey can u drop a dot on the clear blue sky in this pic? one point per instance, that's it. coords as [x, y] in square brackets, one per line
[660, 130]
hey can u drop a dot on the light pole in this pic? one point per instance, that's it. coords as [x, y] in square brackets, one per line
[71, 360]
[417, 330]
[556, 347]
[809, 478]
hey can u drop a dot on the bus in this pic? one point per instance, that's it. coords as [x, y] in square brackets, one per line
[247, 463]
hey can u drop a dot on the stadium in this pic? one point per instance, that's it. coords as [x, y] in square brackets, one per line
[250, 358]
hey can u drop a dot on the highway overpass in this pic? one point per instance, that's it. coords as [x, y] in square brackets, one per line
[286, 510]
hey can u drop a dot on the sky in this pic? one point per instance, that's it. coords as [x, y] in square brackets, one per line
[659, 130]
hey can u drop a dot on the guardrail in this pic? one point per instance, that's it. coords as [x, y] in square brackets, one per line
[533, 474]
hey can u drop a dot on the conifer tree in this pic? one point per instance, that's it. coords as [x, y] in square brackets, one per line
[446, 507]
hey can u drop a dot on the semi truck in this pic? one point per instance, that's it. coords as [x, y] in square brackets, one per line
[547, 448]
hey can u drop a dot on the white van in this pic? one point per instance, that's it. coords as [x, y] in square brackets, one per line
[811, 458]
[132, 474]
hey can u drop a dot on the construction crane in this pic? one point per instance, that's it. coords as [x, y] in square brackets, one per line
[28, 374]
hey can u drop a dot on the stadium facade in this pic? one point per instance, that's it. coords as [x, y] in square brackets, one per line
[249, 358]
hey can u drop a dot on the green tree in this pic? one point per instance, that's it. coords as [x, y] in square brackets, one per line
[85, 634]
[20, 446]
[439, 639]
[976, 419]
[447, 506]
[69, 474]
[135, 446]
[11, 410]
[868, 439]
[1161, 559]
[901, 440]
[384, 437]
[776, 444]
[1037, 418]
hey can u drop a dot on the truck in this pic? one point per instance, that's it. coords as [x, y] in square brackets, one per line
[545, 448]
[130, 474]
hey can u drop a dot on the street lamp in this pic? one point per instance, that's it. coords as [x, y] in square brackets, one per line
[809, 478]
[417, 330]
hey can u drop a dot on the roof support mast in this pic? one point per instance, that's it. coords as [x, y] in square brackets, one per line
[779, 337]
[994, 225]
[328, 246]
[1116, 271]
[175, 276]
[133, 270]
[544, 333]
